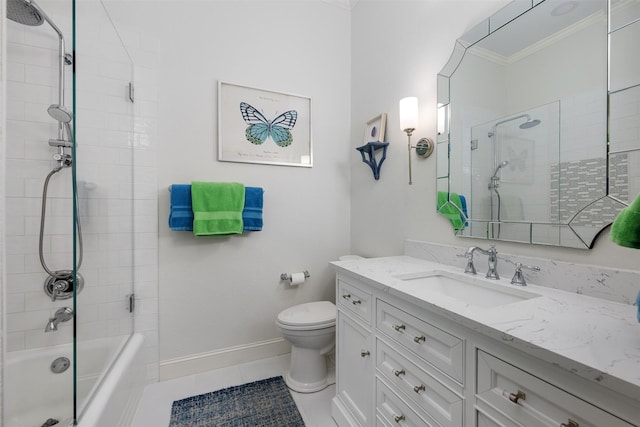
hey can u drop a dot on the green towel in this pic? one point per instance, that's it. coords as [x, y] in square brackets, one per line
[217, 207]
[625, 230]
[446, 202]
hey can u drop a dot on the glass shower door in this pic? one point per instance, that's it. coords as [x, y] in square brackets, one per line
[104, 196]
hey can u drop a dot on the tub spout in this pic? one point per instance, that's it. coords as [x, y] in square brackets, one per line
[62, 315]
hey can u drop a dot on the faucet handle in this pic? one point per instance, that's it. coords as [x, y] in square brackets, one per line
[470, 268]
[518, 278]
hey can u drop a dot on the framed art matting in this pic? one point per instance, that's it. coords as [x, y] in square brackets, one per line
[374, 130]
[262, 126]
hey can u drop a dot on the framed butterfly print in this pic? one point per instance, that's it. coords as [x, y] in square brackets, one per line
[262, 126]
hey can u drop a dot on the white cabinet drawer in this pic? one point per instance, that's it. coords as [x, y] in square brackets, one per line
[393, 411]
[532, 402]
[422, 388]
[484, 420]
[355, 300]
[441, 349]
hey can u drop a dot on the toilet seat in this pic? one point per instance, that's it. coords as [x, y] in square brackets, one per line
[308, 316]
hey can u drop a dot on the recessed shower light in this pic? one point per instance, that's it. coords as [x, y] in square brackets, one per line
[564, 8]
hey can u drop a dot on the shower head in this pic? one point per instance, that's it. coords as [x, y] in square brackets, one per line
[530, 123]
[28, 12]
[526, 125]
[493, 181]
[24, 12]
[60, 113]
[64, 116]
[500, 166]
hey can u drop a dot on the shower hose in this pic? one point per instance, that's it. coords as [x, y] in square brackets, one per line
[61, 274]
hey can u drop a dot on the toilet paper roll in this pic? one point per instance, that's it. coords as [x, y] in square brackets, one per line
[297, 279]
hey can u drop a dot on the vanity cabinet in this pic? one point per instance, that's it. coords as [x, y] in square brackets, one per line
[399, 364]
[509, 394]
[353, 404]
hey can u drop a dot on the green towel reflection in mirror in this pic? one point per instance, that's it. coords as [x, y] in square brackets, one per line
[625, 230]
[450, 205]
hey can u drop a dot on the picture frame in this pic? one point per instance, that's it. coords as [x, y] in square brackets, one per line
[263, 126]
[374, 130]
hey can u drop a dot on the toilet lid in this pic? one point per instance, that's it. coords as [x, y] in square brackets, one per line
[309, 314]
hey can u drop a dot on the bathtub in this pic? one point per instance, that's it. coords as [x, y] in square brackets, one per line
[34, 393]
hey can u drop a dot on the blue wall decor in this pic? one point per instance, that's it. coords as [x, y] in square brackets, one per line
[370, 149]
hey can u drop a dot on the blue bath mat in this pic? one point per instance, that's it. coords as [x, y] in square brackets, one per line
[261, 403]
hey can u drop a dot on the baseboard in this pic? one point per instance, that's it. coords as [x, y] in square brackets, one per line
[197, 363]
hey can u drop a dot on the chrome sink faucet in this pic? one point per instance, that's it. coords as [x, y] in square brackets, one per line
[492, 253]
[518, 278]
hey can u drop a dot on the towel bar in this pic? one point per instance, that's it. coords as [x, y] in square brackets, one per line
[169, 189]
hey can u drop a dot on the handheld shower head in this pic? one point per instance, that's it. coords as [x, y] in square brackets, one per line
[60, 113]
[64, 116]
[24, 12]
[500, 166]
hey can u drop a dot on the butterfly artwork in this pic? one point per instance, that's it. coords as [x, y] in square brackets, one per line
[517, 160]
[260, 128]
[520, 167]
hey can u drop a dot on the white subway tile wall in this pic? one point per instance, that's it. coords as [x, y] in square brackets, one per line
[115, 149]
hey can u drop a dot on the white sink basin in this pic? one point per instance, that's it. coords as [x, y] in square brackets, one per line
[467, 289]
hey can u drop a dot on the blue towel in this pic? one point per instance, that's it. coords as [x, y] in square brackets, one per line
[638, 306]
[180, 212]
[252, 212]
[463, 203]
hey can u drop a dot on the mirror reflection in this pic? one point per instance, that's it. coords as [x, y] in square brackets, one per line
[523, 121]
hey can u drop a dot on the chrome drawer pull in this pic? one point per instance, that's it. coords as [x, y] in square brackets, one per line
[419, 388]
[398, 373]
[571, 423]
[356, 301]
[398, 418]
[346, 296]
[420, 339]
[399, 327]
[517, 396]
[364, 353]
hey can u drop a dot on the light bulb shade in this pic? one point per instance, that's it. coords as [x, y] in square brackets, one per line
[409, 113]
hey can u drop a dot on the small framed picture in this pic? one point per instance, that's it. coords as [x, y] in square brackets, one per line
[375, 128]
[263, 126]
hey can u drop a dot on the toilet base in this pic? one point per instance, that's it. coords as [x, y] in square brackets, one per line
[309, 387]
[308, 371]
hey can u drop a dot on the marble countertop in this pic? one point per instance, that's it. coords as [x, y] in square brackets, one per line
[594, 338]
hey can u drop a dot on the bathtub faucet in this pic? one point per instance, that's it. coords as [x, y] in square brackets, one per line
[62, 315]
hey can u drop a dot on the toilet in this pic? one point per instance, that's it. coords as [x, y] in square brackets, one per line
[311, 330]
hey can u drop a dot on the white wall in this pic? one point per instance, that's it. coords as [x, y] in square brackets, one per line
[397, 49]
[220, 293]
[2, 138]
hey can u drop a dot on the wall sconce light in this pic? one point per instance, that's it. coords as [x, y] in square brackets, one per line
[408, 124]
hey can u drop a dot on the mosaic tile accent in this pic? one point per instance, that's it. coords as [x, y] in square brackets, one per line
[619, 176]
[587, 182]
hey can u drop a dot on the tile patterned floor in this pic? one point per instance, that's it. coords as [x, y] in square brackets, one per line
[154, 409]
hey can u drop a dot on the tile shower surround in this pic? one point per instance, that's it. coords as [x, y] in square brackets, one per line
[587, 179]
[31, 72]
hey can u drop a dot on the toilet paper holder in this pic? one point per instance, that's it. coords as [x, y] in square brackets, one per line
[286, 276]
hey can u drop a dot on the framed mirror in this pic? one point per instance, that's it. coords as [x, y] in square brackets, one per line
[525, 104]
